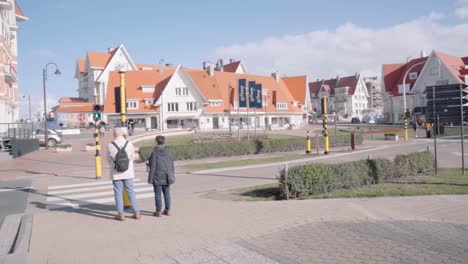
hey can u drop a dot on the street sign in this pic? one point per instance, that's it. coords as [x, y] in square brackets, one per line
[242, 92]
[447, 102]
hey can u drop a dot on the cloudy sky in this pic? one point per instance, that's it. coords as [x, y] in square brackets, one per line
[320, 39]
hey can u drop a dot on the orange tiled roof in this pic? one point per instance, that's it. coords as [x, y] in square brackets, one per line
[81, 65]
[65, 100]
[18, 10]
[297, 86]
[99, 59]
[134, 80]
[86, 108]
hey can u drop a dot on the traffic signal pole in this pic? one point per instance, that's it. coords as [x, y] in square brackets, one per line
[123, 120]
[326, 140]
[97, 157]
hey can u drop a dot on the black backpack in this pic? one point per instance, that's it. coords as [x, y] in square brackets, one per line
[121, 161]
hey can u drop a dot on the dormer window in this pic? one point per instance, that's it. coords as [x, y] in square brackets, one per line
[413, 76]
[147, 88]
[149, 101]
[281, 106]
[215, 102]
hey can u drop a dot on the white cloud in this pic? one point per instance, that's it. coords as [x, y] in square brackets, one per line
[44, 53]
[37, 105]
[349, 48]
[462, 12]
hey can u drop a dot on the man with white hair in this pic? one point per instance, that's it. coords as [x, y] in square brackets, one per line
[120, 156]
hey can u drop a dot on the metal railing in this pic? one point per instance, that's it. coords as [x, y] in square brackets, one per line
[16, 130]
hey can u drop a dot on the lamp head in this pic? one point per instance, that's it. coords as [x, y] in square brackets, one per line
[57, 72]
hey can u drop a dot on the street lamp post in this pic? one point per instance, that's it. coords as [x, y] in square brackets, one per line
[44, 80]
[405, 121]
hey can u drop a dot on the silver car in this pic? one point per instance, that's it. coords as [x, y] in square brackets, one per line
[53, 137]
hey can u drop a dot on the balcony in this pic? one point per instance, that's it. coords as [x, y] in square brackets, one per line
[10, 74]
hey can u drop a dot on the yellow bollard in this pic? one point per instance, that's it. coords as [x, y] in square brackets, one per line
[326, 140]
[308, 143]
[98, 155]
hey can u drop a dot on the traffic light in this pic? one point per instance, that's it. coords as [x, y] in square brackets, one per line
[407, 114]
[97, 112]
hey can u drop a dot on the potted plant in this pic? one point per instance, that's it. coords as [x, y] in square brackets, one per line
[63, 148]
[90, 147]
[391, 136]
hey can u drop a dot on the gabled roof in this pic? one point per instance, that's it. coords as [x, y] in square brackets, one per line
[231, 67]
[65, 100]
[455, 64]
[19, 13]
[99, 59]
[85, 108]
[134, 80]
[81, 65]
[297, 86]
[330, 85]
[391, 74]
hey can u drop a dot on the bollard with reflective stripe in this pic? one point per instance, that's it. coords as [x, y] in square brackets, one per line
[308, 143]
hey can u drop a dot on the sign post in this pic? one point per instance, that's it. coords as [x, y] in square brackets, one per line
[242, 102]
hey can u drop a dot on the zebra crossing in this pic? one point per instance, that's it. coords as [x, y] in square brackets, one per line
[101, 192]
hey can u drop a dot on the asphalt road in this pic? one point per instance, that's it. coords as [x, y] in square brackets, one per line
[13, 197]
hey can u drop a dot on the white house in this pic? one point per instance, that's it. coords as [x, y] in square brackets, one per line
[436, 69]
[348, 96]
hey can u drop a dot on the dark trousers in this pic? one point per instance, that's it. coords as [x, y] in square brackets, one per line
[165, 190]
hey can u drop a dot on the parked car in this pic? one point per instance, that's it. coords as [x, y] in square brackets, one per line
[53, 137]
[355, 120]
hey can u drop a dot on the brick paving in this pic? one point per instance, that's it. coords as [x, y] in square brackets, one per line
[426, 229]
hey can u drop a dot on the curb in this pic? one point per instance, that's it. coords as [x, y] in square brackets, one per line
[15, 235]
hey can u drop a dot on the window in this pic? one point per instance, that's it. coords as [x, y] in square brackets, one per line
[191, 106]
[132, 104]
[173, 107]
[264, 92]
[236, 103]
[215, 103]
[413, 75]
[281, 105]
[149, 101]
[181, 91]
[147, 89]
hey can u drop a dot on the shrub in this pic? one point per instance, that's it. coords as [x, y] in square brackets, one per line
[413, 164]
[226, 149]
[381, 170]
[310, 179]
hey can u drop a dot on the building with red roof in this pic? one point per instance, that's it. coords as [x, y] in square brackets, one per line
[436, 69]
[347, 96]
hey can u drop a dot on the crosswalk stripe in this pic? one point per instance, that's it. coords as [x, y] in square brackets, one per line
[108, 186]
[94, 201]
[56, 187]
[95, 194]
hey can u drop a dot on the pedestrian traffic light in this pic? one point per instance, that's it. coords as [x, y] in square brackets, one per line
[97, 112]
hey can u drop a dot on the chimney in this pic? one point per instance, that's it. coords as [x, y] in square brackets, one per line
[210, 68]
[356, 75]
[275, 75]
[204, 65]
[337, 80]
[161, 66]
[231, 60]
[221, 65]
[110, 50]
[423, 54]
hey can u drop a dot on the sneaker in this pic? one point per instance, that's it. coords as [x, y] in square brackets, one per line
[166, 212]
[137, 216]
[120, 217]
[157, 214]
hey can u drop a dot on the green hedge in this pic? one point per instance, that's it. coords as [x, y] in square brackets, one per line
[226, 149]
[311, 179]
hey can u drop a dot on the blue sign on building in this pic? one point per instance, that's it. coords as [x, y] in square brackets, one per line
[242, 92]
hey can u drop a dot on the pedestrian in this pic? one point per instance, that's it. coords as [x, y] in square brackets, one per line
[120, 157]
[161, 175]
[102, 130]
[415, 128]
[428, 128]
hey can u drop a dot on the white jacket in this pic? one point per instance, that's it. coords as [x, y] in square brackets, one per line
[112, 152]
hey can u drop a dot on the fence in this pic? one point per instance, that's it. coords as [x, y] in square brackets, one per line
[16, 130]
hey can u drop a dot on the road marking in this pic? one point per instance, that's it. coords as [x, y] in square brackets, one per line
[15, 189]
[82, 184]
[86, 195]
[94, 201]
[459, 154]
[108, 186]
[76, 195]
